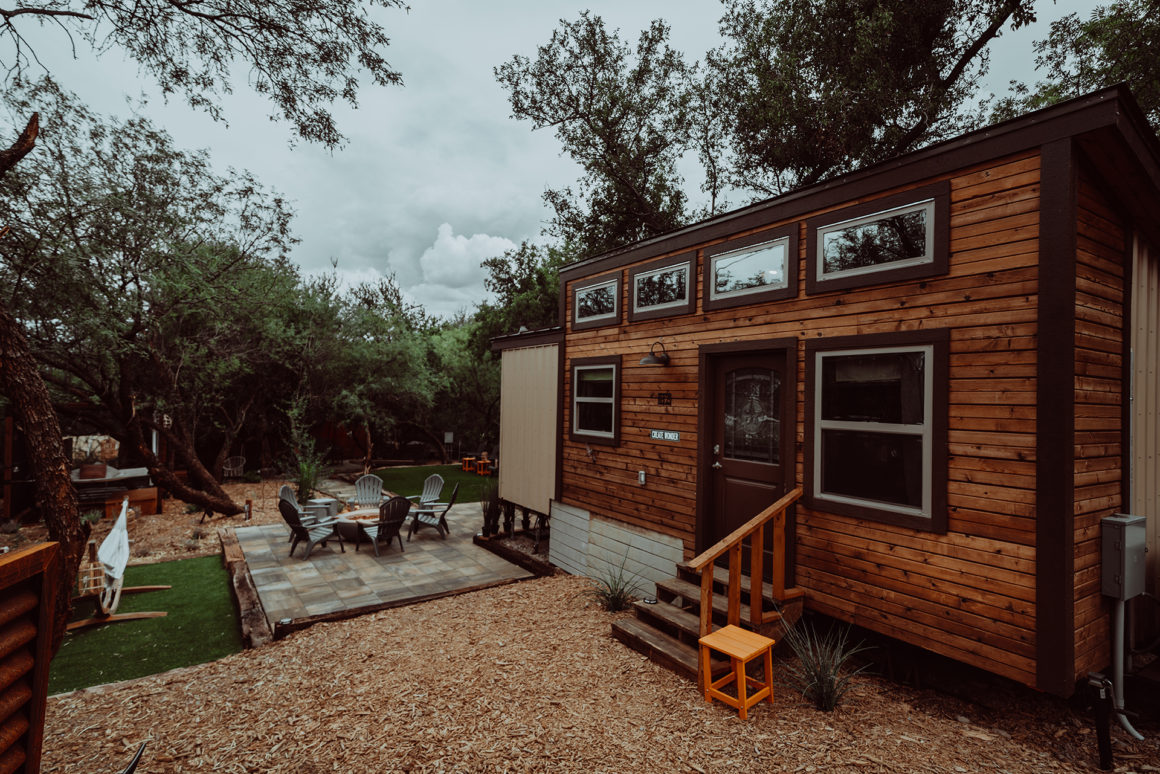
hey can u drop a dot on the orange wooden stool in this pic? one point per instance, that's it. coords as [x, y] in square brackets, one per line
[468, 464]
[741, 646]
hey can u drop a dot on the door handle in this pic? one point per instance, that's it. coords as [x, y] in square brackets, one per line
[716, 466]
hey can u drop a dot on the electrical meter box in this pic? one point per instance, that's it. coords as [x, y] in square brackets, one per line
[1122, 541]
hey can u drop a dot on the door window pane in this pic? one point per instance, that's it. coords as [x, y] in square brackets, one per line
[752, 411]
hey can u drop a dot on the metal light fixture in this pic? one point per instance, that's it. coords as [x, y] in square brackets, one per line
[656, 358]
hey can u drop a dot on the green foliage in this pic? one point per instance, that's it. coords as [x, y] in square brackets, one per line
[1117, 43]
[621, 115]
[821, 672]
[809, 90]
[303, 56]
[491, 506]
[615, 590]
[201, 625]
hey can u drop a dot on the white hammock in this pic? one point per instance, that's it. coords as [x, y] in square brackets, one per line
[113, 556]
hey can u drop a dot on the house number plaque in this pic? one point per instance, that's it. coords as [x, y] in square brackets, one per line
[664, 435]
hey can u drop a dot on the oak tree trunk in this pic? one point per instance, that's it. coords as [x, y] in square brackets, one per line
[54, 494]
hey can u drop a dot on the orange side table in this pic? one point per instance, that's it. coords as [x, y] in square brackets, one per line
[468, 464]
[741, 646]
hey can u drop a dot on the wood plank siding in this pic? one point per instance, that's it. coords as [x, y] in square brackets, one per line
[1101, 252]
[966, 403]
[968, 594]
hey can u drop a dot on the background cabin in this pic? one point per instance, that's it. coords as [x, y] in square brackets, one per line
[952, 353]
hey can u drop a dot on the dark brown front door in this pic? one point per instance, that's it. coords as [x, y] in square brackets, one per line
[745, 443]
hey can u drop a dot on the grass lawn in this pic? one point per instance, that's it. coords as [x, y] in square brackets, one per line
[202, 625]
[409, 481]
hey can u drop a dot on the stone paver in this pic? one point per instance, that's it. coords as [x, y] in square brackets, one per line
[331, 581]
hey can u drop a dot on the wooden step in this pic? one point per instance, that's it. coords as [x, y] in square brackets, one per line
[691, 593]
[663, 649]
[678, 623]
[721, 584]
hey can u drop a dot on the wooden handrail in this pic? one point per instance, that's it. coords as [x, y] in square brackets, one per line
[754, 528]
[745, 530]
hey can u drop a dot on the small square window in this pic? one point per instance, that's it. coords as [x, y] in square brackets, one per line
[596, 399]
[899, 237]
[596, 303]
[752, 269]
[662, 288]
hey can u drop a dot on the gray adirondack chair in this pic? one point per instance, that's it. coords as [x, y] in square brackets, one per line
[312, 535]
[392, 515]
[368, 491]
[432, 488]
[433, 515]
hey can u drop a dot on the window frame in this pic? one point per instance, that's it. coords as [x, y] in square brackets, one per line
[936, 196]
[672, 308]
[932, 517]
[597, 321]
[789, 233]
[593, 363]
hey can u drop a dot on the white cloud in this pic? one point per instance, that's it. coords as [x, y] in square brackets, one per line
[454, 260]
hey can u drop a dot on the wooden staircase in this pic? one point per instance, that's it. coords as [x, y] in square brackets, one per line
[703, 596]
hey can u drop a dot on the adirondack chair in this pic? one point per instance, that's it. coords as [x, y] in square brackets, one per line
[392, 515]
[432, 488]
[286, 494]
[433, 515]
[313, 534]
[368, 491]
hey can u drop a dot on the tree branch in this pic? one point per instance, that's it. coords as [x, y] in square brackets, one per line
[23, 145]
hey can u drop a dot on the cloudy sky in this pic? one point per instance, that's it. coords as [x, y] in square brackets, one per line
[435, 176]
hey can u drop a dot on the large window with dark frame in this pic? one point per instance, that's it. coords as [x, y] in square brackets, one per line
[595, 399]
[903, 236]
[878, 449]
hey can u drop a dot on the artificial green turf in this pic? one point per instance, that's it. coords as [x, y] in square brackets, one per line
[201, 625]
[409, 481]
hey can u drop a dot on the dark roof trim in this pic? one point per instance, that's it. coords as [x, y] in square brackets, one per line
[1113, 107]
[536, 338]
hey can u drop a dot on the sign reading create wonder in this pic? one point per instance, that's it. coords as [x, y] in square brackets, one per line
[664, 435]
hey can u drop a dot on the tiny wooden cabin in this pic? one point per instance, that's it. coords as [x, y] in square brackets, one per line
[952, 353]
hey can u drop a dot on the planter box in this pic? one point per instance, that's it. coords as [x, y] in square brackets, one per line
[146, 501]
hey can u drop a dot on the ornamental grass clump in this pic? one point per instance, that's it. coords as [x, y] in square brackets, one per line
[821, 672]
[616, 590]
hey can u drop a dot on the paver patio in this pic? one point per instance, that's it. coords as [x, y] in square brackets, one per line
[332, 582]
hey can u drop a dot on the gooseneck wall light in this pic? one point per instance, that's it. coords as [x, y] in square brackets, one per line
[656, 358]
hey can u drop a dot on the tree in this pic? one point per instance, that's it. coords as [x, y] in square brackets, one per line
[813, 89]
[526, 283]
[136, 273]
[302, 56]
[621, 115]
[1117, 43]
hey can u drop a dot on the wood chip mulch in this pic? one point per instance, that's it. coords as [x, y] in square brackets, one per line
[521, 678]
[526, 678]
